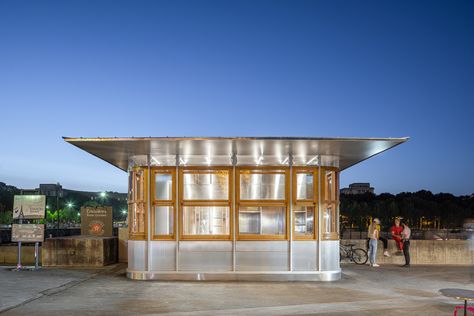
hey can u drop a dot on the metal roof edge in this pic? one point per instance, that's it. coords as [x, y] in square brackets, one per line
[89, 139]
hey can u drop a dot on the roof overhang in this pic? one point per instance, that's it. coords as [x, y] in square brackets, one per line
[338, 152]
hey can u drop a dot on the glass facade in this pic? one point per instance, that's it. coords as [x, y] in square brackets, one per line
[205, 203]
[163, 186]
[304, 220]
[206, 186]
[304, 186]
[263, 203]
[163, 220]
[137, 203]
[330, 204]
[262, 186]
[201, 206]
[206, 220]
[262, 220]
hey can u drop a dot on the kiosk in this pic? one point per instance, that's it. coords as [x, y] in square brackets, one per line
[245, 208]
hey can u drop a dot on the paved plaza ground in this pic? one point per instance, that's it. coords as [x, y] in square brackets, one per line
[388, 290]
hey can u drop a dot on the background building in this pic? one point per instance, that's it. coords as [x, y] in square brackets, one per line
[358, 188]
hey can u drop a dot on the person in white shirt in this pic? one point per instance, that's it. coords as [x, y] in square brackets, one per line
[373, 235]
[406, 235]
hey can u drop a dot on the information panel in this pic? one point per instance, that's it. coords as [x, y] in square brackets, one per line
[96, 221]
[28, 232]
[29, 206]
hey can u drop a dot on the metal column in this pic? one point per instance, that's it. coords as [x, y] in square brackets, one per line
[319, 217]
[149, 232]
[234, 210]
[176, 213]
[290, 244]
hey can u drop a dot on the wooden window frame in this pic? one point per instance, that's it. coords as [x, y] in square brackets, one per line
[334, 235]
[155, 202]
[138, 202]
[183, 203]
[266, 202]
[306, 202]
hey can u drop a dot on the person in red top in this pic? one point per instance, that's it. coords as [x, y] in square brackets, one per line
[397, 234]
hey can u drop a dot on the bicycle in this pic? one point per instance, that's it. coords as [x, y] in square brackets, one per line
[356, 255]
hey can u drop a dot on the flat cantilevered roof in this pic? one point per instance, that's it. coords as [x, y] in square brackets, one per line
[338, 152]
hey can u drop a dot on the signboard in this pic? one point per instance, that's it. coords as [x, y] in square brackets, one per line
[28, 232]
[96, 221]
[29, 206]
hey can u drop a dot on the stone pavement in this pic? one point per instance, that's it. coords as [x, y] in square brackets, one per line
[388, 290]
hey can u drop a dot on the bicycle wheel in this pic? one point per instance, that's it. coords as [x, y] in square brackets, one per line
[359, 256]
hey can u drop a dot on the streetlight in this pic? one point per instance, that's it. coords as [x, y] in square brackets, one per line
[124, 212]
[103, 194]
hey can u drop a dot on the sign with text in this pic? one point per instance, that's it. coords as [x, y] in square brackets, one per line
[28, 232]
[29, 206]
[96, 221]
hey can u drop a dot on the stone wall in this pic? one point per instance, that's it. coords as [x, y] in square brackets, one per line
[425, 251]
[79, 251]
[9, 254]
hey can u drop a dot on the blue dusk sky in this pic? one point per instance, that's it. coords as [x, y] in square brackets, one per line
[238, 68]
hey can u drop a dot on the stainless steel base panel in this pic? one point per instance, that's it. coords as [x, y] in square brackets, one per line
[236, 276]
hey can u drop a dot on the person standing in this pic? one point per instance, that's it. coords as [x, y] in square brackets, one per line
[406, 234]
[374, 234]
[383, 240]
[396, 231]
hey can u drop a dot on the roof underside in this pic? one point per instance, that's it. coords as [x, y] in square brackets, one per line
[337, 152]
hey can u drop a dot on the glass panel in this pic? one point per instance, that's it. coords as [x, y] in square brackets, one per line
[304, 186]
[163, 186]
[206, 220]
[206, 186]
[130, 186]
[304, 220]
[163, 220]
[249, 220]
[138, 191]
[137, 218]
[329, 218]
[330, 185]
[257, 186]
[263, 220]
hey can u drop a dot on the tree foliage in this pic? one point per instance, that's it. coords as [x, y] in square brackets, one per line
[451, 210]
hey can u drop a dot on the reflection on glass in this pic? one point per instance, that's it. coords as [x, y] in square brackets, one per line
[249, 220]
[206, 186]
[163, 186]
[258, 186]
[138, 192]
[304, 186]
[304, 220]
[137, 217]
[163, 220]
[330, 185]
[130, 186]
[262, 220]
[328, 218]
[206, 220]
